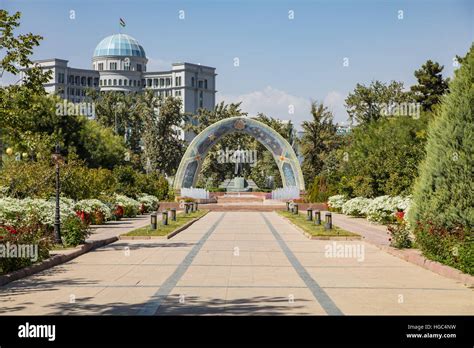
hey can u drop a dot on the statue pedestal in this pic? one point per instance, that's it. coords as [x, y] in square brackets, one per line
[237, 184]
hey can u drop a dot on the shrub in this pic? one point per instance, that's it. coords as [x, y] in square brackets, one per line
[130, 206]
[318, 190]
[98, 210]
[335, 202]
[74, 231]
[149, 202]
[30, 233]
[382, 209]
[17, 211]
[442, 212]
[356, 206]
[400, 233]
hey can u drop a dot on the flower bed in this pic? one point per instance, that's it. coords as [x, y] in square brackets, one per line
[381, 209]
[130, 207]
[335, 203]
[148, 203]
[356, 206]
[93, 210]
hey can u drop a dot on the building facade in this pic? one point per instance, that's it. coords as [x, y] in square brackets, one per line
[119, 64]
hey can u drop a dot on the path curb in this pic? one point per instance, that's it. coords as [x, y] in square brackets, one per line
[169, 235]
[415, 256]
[54, 261]
[310, 236]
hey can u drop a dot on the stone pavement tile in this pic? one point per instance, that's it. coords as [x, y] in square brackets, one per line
[194, 301]
[376, 301]
[264, 276]
[271, 301]
[209, 257]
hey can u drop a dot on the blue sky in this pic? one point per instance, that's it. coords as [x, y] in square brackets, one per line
[282, 61]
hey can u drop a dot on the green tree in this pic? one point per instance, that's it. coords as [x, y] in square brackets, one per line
[443, 197]
[431, 85]
[317, 141]
[382, 157]
[16, 52]
[367, 103]
[163, 148]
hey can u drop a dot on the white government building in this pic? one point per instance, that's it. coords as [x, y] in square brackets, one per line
[119, 64]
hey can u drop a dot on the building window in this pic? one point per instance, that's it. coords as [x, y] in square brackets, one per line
[139, 67]
[155, 82]
[72, 91]
[200, 103]
[168, 81]
[200, 83]
[100, 83]
[113, 66]
[192, 81]
[101, 66]
[78, 92]
[120, 82]
[126, 65]
[78, 80]
[149, 81]
[125, 82]
[162, 82]
[134, 83]
[89, 81]
[205, 84]
[61, 77]
[70, 79]
[110, 82]
[96, 81]
[115, 82]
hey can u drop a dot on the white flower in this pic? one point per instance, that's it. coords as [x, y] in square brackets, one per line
[149, 201]
[337, 201]
[92, 205]
[356, 206]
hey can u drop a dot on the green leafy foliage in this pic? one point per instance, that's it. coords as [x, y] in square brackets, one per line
[366, 103]
[74, 231]
[443, 197]
[382, 157]
[431, 85]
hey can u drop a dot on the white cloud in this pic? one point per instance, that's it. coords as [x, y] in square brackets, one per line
[277, 103]
[335, 102]
[272, 102]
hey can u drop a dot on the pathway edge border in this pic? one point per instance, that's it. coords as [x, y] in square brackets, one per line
[169, 235]
[311, 237]
[54, 260]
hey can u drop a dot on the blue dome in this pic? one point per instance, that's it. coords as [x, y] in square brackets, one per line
[119, 45]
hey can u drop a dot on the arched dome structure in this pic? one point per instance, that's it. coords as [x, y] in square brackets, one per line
[119, 45]
[121, 62]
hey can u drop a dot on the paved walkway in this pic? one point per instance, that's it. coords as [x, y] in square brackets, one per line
[116, 228]
[237, 264]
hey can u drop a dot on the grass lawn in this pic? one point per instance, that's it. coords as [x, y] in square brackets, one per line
[181, 219]
[313, 229]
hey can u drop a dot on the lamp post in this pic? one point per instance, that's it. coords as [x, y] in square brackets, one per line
[153, 221]
[328, 225]
[317, 217]
[309, 214]
[57, 158]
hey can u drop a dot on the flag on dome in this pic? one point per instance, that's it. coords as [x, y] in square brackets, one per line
[122, 23]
